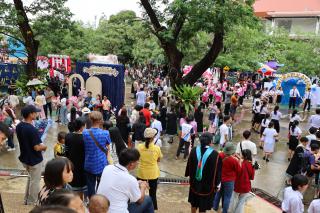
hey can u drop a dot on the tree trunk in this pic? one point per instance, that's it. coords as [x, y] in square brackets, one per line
[206, 61]
[31, 44]
[175, 59]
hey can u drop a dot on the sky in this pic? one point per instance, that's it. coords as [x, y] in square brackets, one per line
[86, 10]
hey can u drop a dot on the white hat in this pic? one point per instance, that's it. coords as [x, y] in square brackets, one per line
[150, 132]
[86, 110]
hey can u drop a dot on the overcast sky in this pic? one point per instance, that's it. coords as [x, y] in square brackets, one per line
[86, 10]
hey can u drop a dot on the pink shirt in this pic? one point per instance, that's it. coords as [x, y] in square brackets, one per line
[205, 97]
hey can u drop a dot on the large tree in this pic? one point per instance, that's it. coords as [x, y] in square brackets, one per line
[26, 23]
[182, 20]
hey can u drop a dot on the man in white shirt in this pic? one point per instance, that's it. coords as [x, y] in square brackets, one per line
[156, 125]
[246, 144]
[307, 100]
[314, 120]
[141, 97]
[294, 94]
[186, 130]
[224, 130]
[125, 193]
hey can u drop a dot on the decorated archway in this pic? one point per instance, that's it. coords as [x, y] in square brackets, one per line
[305, 78]
[70, 83]
[288, 80]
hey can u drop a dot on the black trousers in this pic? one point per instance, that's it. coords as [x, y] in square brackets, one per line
[307, 103]
[292, 102]
[153, 184]
[186, 148]
[47, 107]
[227, 108]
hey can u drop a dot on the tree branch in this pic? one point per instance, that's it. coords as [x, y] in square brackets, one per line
[178, 26]
[152, 15]
[11, 36]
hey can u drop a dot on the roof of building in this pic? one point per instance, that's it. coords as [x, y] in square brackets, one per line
[287, 8]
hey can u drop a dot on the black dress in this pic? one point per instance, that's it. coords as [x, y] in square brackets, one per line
[171, 123]
[162, 118]
[296, 163]
[198, 116]
[201, 193]
[75, 153]
[123, 125]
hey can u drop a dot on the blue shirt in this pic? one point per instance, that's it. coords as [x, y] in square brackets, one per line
[95, 159]
[28, 137]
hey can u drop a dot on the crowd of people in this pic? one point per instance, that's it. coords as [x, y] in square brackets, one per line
[93, 160]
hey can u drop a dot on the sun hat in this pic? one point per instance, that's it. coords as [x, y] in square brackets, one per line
[229, 148]
[150, 132]
[86, 110]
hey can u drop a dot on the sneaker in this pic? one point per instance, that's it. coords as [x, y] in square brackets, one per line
[11, 149]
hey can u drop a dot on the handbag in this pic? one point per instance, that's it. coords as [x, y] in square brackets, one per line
[105, 151]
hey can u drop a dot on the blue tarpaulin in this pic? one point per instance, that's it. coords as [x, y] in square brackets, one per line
[113, 87]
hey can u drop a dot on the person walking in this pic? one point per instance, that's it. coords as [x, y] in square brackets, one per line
[295, 135]
[31, 148]
[242, 186]
[96, 149]
[204, 172]
[74, 146]
[148, 169]
[49, 94]
[172, 126]
[294, 95]
[230, 169]
[185, 138]
[269, 139]
[106, 107]
[307, 100]
[123, 123]
[276, 115]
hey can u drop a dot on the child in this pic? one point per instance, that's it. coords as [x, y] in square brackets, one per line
[264, 124]
[59, 147]
[269, 139]
[292, 199]
[99, 204]
[295, 135]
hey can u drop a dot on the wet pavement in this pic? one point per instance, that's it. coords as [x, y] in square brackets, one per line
[270, 177]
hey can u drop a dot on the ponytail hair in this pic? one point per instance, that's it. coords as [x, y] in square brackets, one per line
[294, 125]
[276, 108]
[148, 141]
[294, 113]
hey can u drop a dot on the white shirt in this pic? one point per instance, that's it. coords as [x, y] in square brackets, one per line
[294, 93]
[119, 187]
[264, 110]
[297, 131]
[310, 138]
[265, 123]
[279, 92]
[141, 98]
[152, 106]
[295, 118]
[292, 201]
[314, 206]
[276, 116]
[269, 135]
[308, 95]
[224, 132]
[28, 100]
[246, 144]
[157, 125]
[63, 102]
[314, 121]
[186, 131]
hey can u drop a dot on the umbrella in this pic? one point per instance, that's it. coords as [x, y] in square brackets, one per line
[34, 82]
[274, 64]
[266, 70]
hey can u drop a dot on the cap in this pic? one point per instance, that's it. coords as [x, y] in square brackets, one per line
[150, 132]
[25, 111]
